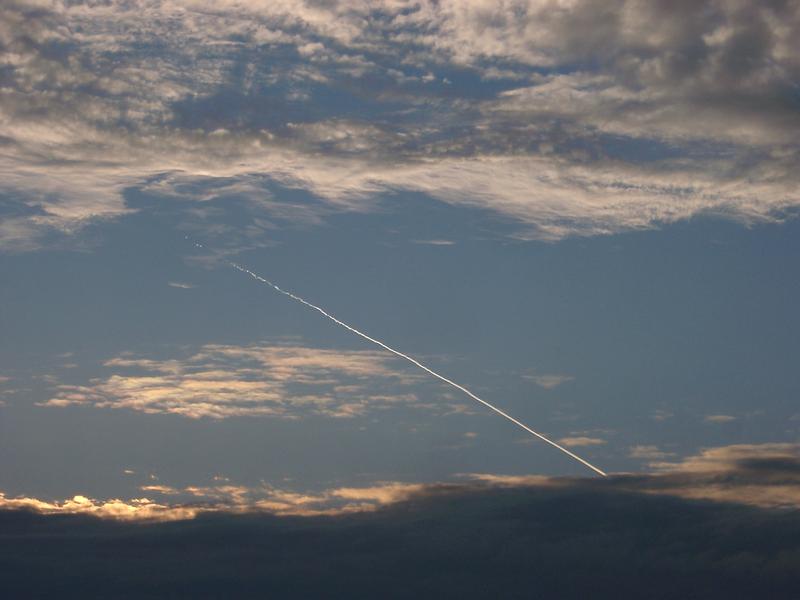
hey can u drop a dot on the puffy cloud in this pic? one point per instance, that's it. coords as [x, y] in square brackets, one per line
[736, 456]
[137, 509]
[574, 118]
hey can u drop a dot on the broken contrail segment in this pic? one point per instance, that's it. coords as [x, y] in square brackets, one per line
[413, 361]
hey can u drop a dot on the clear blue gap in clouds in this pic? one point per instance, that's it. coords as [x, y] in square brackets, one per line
[640, 322]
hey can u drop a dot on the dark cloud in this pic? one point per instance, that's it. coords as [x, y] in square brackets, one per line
[571, 541]
[707, 527]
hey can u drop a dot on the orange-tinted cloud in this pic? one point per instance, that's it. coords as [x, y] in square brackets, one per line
[765, 475]
[220, 381]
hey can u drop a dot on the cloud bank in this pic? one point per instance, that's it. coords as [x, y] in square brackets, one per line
[222, 381]
[623, 537]
[571, 118]
[757, 475]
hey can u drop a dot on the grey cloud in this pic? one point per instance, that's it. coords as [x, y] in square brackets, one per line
[624, 537]
[760, 475]
[766, 475]
[755, 475]
[534, 110]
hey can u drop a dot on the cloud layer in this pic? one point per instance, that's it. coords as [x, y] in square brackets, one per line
[222, 381]
[757, 475]
[625, 537]
[579, 117]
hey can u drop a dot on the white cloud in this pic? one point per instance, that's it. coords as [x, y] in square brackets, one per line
[136, 509]
[719, 418]
[728, 457]
[648, 452]
[763, 475]
[181, 503]
[661, 415]
[436, 242]
[577, 441]
[549, 381]
[223, 381]
[706, 87]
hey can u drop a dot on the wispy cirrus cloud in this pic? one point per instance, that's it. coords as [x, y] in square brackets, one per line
[648, 452]
[435, 242]
[581, 440]
[578, 119]
[548, 381]
[181, 285]
[719, 418]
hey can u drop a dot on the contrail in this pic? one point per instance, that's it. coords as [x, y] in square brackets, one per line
[413, 361]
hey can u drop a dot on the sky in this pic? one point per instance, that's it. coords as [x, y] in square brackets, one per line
[584, 211]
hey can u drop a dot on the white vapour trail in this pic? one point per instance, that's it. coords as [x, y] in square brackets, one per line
[414, 362]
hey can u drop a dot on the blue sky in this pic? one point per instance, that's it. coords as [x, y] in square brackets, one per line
[584, 212]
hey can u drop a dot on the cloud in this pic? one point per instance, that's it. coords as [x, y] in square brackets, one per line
[760, 475]
[648, 453]
[549, 381]
[766, 475]
[582, 118]
[733, 456]
[181, 285]
[434, 242]
[222, 381]
[756, 475]
[719, 418]
[661, 415]
[139, 509]
[182, 503]
[574, 442]
[628, 536]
